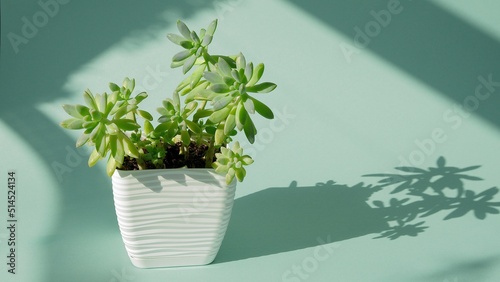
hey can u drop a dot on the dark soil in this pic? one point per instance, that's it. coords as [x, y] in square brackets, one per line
[174, 158]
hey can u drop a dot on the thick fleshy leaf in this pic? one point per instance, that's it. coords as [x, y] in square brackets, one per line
[256, 75]
[185, 137]
[224, 67]
[230, 176]
[148, 127]
[194, 37]
[202, 114]
[113, 87]
[219, 115]
[82, 140]
[213, 77]
[240, 174]
[193, 126]
[219, 134]
[249, 70]
[73, 123]
[187, 44]
[77, 111]
[181, 56]
[262, 109]
[219, 88]
[247, 160]
[207, 40]
[241, 61]
[188, 64]
[183, 29]
[230, 123]
[241, 116]
[189, 109]
[249, 106]
[111, 166]
[196, 76]
[126, 124]
[176, 39]
[250, 130]
[145, 115]
[93, 158]
[112, 129]
[264, 87]
[220, 102]
[89, 99]
[129, 147]
[211, 28]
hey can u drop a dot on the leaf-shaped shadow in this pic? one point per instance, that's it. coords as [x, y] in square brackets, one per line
[284, 219]
[430, 190]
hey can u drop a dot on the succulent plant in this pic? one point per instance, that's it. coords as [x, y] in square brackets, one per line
[207, 109]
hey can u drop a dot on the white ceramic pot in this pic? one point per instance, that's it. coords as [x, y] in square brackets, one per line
[172, 217]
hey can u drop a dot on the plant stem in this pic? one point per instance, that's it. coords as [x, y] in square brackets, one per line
[209, 157]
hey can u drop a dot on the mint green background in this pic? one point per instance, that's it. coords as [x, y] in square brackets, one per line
[341, 116]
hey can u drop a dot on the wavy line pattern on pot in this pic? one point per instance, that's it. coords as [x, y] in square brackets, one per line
[172, 217]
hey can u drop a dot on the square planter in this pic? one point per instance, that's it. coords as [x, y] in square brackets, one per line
[172, 217]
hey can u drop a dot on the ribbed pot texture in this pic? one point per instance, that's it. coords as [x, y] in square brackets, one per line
[172, 217]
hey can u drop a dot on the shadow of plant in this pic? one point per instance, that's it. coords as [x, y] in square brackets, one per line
[431, 191]
[282, 219]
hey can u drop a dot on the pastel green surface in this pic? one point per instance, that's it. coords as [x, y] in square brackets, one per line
[363, 87]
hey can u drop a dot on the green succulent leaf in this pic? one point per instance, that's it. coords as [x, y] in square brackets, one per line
[73, 123]
[262, 109]
[219, 115]
[219, 88]
[187, 44]
[176, 39]
[250, 130]
[195, 37]
[145, 115]
[82, 140]
[188, 64]
[221, 101]
[77, 111]
[193, 126]
[126, 124]
[181, 56]
[184, 30]
[213, 77]
[219, 134]
[207, 39]
[249, 106]
[111, 166]
[256, 75]
[264, 87]
[241, 61]
[223, 67]
[93, 158]
[211, 28]
[241, 116]
[230, 123]
[186, 139]
[89, 99]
